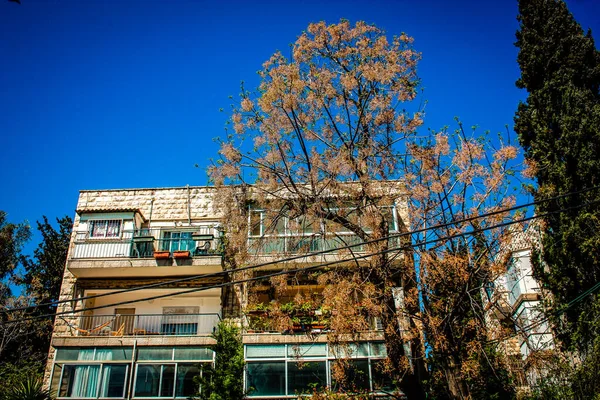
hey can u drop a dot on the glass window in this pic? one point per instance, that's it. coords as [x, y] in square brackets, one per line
[175, 241]
[80, 381]
[185, 386]
[168, 381]
[378, 349]
[155, 353]
[67, 354]
[350, 350]
[255, 223]
[266, 378]
[105, 228]
[356, 376]
[304, 377]
[307, 350]
[381, 380]
[265, 351]
[193, 353]
[113, 380]
[147, 382]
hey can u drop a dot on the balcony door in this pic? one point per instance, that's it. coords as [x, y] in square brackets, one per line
[126, 317]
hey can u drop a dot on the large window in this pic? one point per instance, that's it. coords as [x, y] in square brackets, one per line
[105, 229]
[92, 372]
[106, 373]
[290, 370]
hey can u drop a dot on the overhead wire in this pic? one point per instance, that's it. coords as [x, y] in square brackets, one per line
[298, 270]
[303, 256]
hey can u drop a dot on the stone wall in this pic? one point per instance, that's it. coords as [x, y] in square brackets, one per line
[161, 204]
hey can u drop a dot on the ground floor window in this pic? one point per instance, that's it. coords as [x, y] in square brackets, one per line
[147, 372]
[290, 370]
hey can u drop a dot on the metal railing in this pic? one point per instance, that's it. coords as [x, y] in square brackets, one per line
[146, 325]
[143, 243]
[298, 244]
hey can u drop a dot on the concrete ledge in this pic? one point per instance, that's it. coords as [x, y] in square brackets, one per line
[90, 341]
[143, 267]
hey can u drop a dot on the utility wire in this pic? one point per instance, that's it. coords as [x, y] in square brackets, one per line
[312, 254]
[297, 270]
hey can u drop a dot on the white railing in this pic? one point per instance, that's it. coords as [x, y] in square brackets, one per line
[146, 325]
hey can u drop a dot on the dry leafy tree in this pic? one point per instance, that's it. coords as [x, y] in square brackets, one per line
[459, 186]
[325, 155]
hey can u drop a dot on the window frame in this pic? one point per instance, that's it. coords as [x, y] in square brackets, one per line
[328, 358]
[92, 222]
[167, 242]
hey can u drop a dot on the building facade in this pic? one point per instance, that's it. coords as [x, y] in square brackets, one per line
[516, 307]
[144, 289]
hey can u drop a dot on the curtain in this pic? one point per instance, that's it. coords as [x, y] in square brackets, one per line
[85, 377]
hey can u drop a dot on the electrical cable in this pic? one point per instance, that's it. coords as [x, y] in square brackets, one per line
[312, 254]
[313, 267]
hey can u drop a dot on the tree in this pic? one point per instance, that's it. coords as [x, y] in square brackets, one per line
[459, 186]
[43, 277]
[224, 381]
[24, 344]
[326, 155]
[12, 238]
[559, 128]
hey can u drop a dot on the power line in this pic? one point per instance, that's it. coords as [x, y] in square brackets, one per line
[301, 256]
[310, 268]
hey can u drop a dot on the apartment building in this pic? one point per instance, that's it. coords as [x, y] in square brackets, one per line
[516, 304]
[145, 267]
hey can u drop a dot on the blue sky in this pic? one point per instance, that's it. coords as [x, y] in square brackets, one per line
[99, 94]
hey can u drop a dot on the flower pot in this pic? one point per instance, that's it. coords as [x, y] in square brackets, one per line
[162, 255]
[181, 254]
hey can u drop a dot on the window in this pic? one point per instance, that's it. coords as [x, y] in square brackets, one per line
[105, 229]
[106, 373]
[288, 370]
[175, 241]
[92, 372]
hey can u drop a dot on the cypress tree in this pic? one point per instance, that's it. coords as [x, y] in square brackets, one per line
[559, 129]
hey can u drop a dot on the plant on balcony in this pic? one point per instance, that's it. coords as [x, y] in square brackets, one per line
[287, 317]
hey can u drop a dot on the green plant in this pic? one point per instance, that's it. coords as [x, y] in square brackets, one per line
[30, 388]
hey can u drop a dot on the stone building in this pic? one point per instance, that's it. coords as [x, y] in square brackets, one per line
[145, 269]
[516, 307]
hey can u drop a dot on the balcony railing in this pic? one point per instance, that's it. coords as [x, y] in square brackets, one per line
[146, 325]
[299, 244]
[144, 243]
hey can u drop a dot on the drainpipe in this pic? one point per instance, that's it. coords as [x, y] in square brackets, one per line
[131, 373]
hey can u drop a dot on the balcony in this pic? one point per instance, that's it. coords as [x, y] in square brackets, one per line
[137, 253]
[116, 325]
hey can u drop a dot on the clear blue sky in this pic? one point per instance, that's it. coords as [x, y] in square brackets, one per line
[98, 94]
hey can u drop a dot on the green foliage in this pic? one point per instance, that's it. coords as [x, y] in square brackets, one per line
[224, 381]
[24, 345]
[559, 128]
[27, 387]
[43, 275]
[12, 238]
